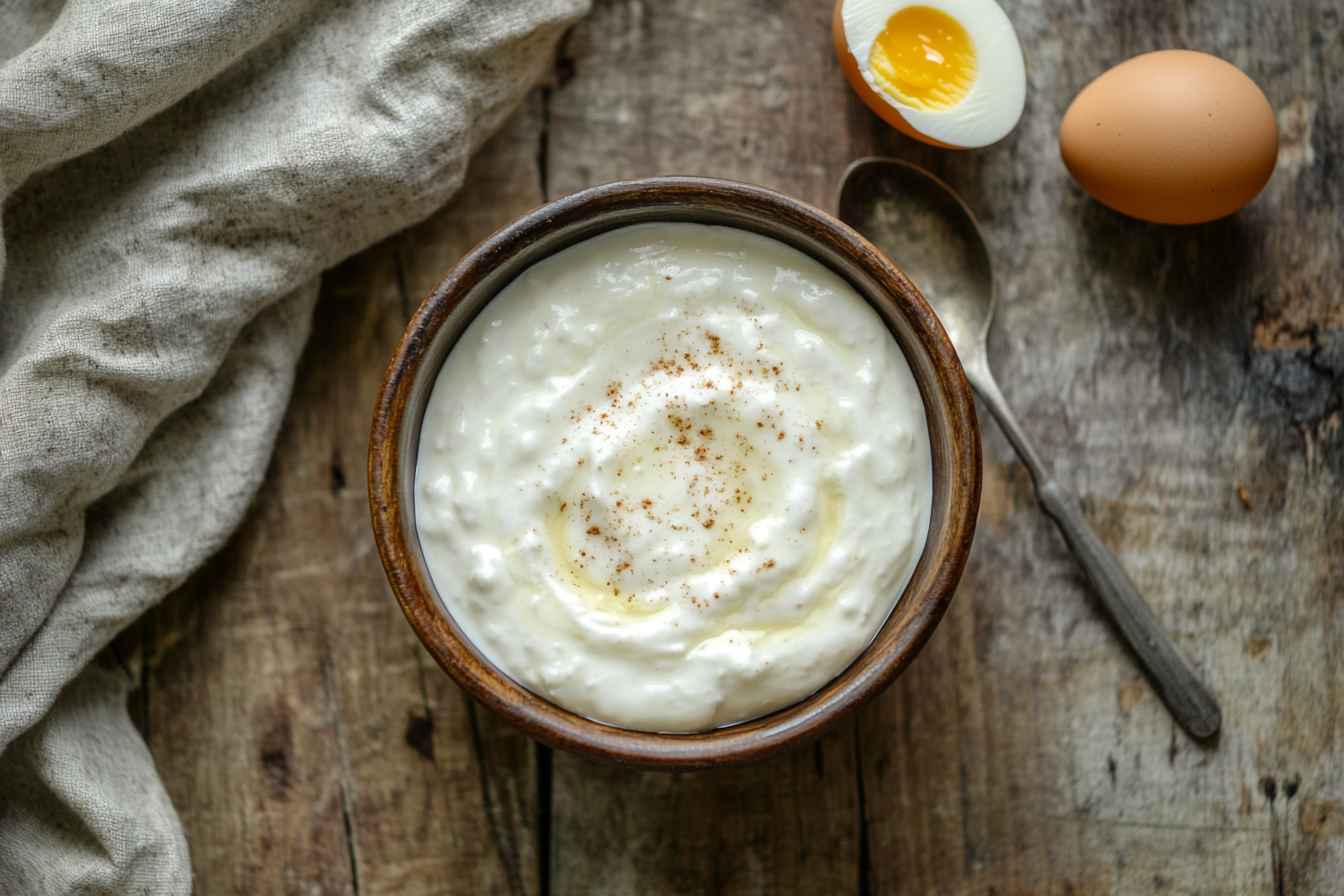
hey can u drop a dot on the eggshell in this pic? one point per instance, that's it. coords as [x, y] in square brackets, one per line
[1174, 137]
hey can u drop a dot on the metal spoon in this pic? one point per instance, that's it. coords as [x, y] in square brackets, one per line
[927, 230]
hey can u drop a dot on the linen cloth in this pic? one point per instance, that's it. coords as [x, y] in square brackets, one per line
[175, 175]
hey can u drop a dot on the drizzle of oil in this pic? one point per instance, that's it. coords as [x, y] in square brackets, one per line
[829, 513]
[592, 592]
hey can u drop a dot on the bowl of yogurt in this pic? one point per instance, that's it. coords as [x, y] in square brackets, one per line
[675, 471]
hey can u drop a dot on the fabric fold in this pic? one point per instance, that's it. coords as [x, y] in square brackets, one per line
[103, 67]
[79, 814]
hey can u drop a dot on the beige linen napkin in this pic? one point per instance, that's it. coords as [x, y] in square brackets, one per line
[175, 176]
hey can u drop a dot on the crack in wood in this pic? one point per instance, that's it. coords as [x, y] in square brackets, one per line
[1270, 788]
[1287, 865]
[865, 844]
[969, 856]
[399, 266]
[349, 840]
[543, 144]
[344, 778]
[545, 794]
[562, 72]
[504, 847]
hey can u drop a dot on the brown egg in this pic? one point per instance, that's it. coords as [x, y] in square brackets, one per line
[1175, 137]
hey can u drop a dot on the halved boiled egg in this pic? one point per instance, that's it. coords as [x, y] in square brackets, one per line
[948, 72]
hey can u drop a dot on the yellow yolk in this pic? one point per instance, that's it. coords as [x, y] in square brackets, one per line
[924, 59]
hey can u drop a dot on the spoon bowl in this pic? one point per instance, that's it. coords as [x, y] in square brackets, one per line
[921, 223]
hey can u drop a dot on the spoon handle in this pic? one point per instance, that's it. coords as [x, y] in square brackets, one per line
[1189, 701]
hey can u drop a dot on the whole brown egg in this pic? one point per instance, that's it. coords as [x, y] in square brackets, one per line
[1174, 137]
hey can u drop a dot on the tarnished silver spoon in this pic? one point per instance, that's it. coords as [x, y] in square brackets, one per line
[930, 233]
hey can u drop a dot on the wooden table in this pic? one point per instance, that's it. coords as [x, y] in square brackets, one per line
[1187, 382]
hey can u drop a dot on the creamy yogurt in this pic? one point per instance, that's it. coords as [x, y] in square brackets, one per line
[673, 477]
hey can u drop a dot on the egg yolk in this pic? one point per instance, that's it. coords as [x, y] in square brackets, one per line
[924, 58]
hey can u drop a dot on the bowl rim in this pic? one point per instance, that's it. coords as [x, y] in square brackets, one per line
[896, 643]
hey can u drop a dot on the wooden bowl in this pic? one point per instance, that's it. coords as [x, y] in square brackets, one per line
[440, 321]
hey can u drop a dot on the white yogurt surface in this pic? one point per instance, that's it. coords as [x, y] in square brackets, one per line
[674, 477]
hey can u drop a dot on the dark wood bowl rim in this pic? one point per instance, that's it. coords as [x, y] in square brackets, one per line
[896, 644]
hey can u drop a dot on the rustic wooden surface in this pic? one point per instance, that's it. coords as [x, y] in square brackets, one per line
[1188, 383]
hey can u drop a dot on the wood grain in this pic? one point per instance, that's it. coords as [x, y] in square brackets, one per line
[1188, 384]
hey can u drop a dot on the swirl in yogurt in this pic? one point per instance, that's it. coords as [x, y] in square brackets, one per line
[673, 477]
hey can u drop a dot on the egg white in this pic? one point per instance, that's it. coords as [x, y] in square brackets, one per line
[994, 104]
